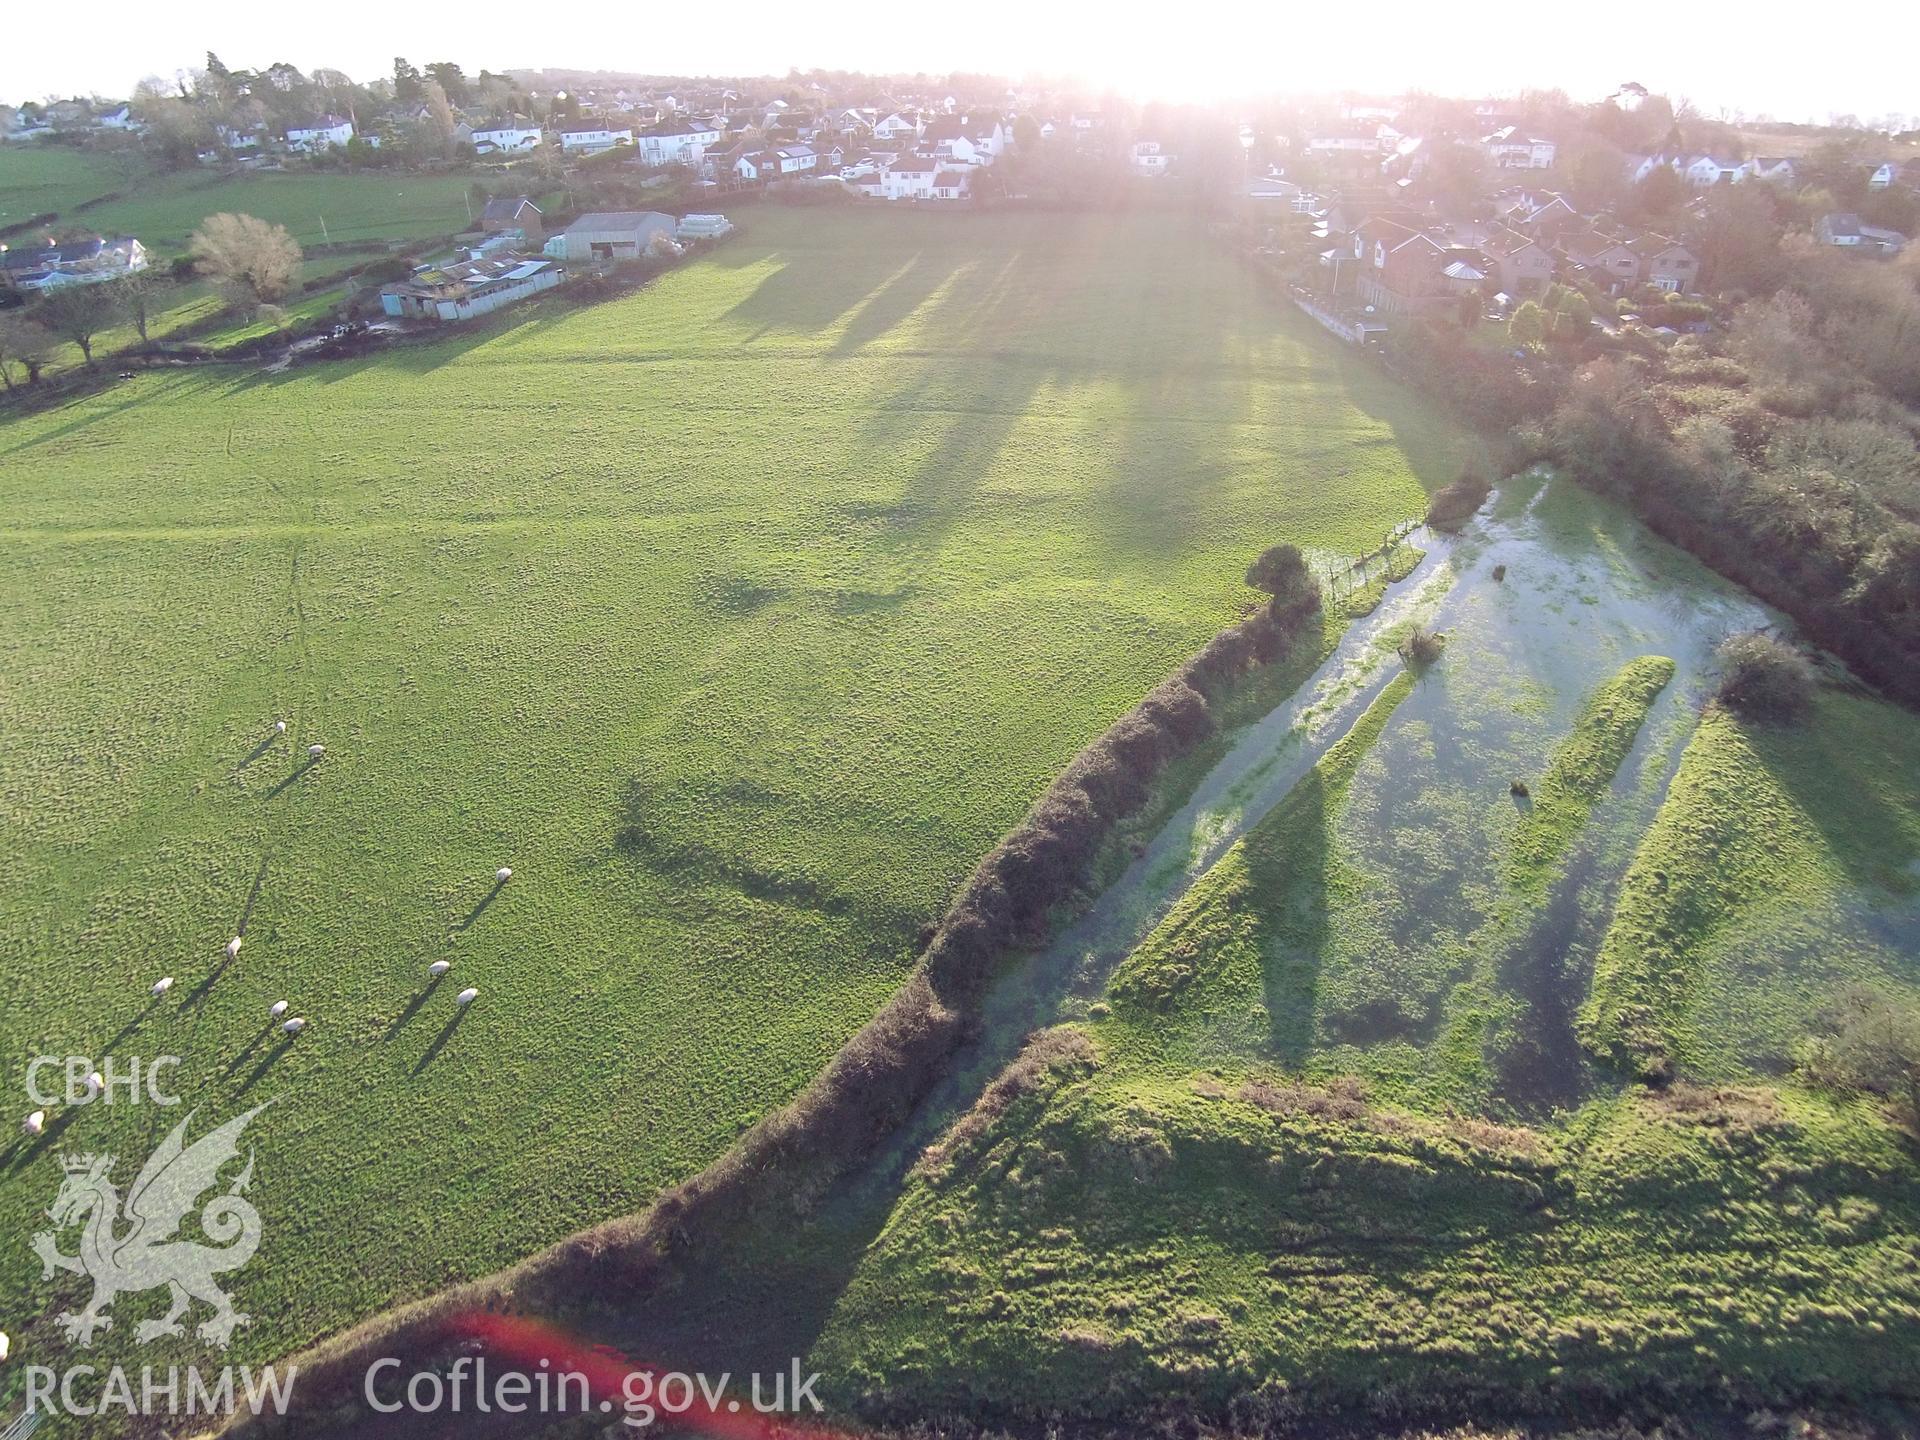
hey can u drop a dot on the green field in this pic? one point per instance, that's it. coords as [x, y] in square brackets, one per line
[738, 616]
[315, 207]
[1784, 868]
[36, 177]
[163, 210]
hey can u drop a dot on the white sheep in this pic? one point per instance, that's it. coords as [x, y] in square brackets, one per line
[314, 752]
[162, 985]
[233, 947]
[439, 968]
[294, 1026]
[503, 874]
[96, 1082]
[279, 727]
[276, 1010]
[467, 996]
[6, 1347]
[36, 1123]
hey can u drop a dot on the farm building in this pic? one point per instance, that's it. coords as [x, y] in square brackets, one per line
[511, 212]
[611, 235]
[78, 262]
[470, 289]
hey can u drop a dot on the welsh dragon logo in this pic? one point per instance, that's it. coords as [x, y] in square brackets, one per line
[131, 1246]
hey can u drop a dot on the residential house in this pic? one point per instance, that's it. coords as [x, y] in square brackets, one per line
[1846, 231]
[895, 127]
[1882, 174]
[1350, 139]
[679, 147]
[506, 138]
[611, 235]
[1774, 169]
[1841, 228]
[79, 262]
[507, 213]
[1148, 158]
[910, 177]
[1509, 148]
[117, 117]
[322, 134]
[1666, 263]
[471, 288]
[1705, 171]
[1611, 261]
[1402, 270]
[950, 185]
[1522, 265]
[795, 159]
[593, 140]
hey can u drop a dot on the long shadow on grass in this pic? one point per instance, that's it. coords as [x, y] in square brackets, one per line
[425, 993]
[440, 1041]
[267, 1062]
[480, 907]
[1289, 864]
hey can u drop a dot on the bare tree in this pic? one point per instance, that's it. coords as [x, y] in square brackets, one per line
[78, 312]
[23, 345]
[139, 294]
[253, 262]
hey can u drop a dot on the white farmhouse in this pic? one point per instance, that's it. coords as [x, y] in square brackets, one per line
[323, 134]
[678, 147]
[593, 140]
[1511, 149]
[507, 139]
[909, 178]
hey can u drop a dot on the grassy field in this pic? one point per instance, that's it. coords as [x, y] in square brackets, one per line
[738, 616]
[1784, 868]
[163, 210]
[37, 178]
[315, 207]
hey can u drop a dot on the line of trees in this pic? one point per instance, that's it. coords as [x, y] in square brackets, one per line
[254, 265]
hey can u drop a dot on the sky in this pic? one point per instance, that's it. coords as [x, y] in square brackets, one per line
[1721, 54]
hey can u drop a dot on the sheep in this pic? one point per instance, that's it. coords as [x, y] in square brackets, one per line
[314, 752]
[162, 985]
[279, 727]
[293, 1026]
[503, 874]
[96, 1082]
[36, 1123]
[233, 947]
[439, 968]
[6, 1347]
[467, 996]
[276, 1010]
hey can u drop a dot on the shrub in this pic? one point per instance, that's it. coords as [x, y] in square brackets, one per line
[1279, 570]
[1762, 678]
[1873, 1047]
[1422, 646]
[1453, 505]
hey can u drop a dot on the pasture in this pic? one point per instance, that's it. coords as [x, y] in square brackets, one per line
[36, 178]
[163, 210]
[739, 616]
